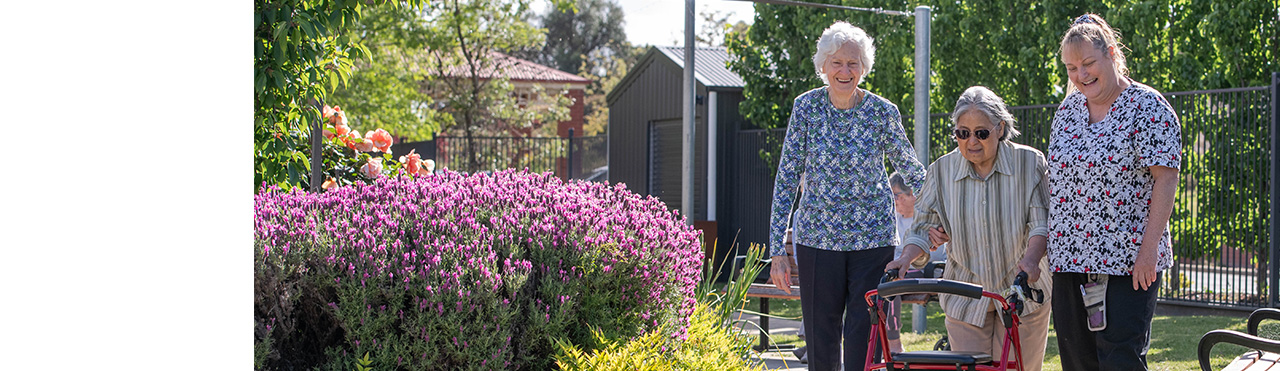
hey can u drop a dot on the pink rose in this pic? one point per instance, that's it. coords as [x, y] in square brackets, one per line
[373, 168]
[364, 145]
[412, 162]
[381, 140]
[342, 129]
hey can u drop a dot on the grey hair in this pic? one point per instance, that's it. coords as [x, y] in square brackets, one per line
[896, 180]
[990, 105]
[835, 37]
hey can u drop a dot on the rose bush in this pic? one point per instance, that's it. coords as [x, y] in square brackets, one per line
[454, 271]
[349, 157]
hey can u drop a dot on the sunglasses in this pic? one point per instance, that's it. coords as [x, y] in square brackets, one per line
[963, 134]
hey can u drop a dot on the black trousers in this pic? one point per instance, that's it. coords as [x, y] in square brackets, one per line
[1123, 344]
[832, 285]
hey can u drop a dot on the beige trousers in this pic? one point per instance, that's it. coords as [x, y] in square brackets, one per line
[1034, 331]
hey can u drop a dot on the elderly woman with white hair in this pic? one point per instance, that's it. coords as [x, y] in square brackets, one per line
[990, 196]
[838, 138]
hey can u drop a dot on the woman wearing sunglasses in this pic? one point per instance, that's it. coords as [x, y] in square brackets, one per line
[839, 138]
[990, 196]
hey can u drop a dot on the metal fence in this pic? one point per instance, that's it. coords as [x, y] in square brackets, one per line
[1221, 225]
[575, 158]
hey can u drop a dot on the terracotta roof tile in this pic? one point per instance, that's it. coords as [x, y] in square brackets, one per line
[516, 69]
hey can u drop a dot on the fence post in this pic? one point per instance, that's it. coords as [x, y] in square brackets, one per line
[569, 169]
[1272, 281]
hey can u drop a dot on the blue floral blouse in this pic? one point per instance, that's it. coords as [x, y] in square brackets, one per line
[847, 204]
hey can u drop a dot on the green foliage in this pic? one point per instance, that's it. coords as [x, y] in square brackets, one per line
[589, 42]
[387, 90]
[708, 347]
[364, 364]
[1172, 45]
[300, 55]
[576, 37]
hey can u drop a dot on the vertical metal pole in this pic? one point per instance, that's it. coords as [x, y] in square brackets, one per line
[569, 163]
[317, 142]
[712, 158]
[922, 83]
[1272, 281]
[919, 318]
[686, 177]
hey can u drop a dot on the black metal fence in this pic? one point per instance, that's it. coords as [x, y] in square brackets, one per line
[1221, 225]
[574, 158]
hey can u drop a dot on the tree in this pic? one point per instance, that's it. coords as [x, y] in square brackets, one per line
[300, 54]
[388, 89]
[593, 31]
[589, 42]
[715, 27]
[468, 38]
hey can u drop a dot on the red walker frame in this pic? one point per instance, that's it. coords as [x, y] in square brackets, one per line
[878, 305]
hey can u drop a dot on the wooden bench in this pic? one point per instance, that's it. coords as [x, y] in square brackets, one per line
[762, 287]
[1265, 354]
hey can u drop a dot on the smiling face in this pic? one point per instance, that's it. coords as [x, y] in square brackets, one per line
[844, 70]
[980, 152]
[1091, 70]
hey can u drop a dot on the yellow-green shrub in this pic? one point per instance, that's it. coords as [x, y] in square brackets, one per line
[711, 346]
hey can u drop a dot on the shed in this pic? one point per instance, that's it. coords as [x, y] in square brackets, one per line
[732, 195]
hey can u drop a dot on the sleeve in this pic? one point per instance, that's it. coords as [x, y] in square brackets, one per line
[1157, 133]
[927, 209]
[900, 153]
[1038, 210]
[791, 165]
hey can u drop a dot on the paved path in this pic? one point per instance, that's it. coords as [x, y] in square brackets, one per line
[777, 360]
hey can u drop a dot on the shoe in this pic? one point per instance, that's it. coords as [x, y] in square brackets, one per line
[801, 354]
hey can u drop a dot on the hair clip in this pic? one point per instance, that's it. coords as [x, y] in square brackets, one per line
[1085, 19]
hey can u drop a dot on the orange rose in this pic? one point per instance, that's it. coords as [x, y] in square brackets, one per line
[429, 166]
[412, 162]
[342, 129]
[381, 140]
[328, 183]
[373, 168]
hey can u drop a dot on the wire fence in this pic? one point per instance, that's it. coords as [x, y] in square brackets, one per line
[567, 158]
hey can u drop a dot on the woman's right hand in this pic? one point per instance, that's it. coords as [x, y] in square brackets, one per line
[780, 273]
[900, 264]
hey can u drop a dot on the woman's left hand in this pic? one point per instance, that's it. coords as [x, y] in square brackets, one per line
[1144, 269]
[1032, 268]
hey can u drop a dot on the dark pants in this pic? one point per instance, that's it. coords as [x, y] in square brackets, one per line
[1123, 344]
[832, 285]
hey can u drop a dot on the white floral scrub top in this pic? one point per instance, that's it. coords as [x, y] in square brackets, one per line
[1100, 184]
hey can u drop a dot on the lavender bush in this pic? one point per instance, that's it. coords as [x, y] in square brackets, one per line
[454, 271]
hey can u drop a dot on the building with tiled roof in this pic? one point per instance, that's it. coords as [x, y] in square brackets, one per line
[524, 76]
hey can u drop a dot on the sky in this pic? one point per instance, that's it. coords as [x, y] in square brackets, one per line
[661, 22]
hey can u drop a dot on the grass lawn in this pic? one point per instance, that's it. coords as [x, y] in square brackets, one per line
[1173, 344]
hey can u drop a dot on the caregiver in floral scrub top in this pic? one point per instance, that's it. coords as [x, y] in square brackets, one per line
[839, 137]
[1114, 154]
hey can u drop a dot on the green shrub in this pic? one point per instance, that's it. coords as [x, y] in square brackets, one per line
[708, 348]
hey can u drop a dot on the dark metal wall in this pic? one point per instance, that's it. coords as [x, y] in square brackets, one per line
[645, 135]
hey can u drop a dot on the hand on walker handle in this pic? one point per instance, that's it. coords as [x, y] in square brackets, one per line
[780, 272]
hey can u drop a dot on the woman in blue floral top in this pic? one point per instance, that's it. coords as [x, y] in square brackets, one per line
[838, 138]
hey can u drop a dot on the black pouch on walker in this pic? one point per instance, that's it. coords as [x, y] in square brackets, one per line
[1095, 301]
